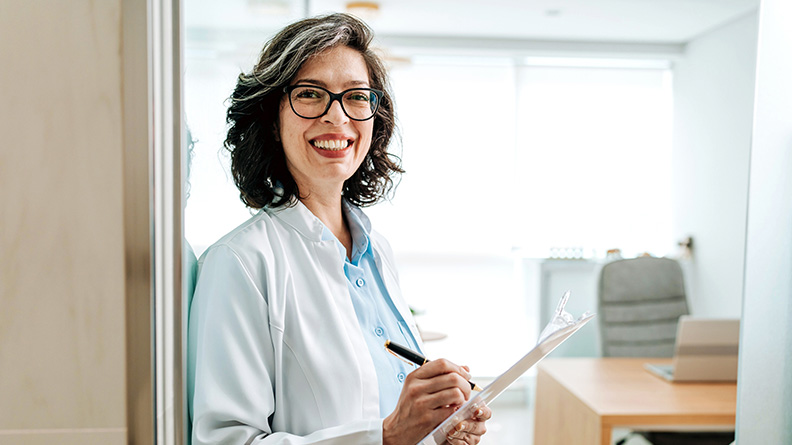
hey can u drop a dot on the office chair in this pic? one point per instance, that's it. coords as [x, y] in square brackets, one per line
[639, 304]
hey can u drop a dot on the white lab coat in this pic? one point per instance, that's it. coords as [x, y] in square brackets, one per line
[276, 353]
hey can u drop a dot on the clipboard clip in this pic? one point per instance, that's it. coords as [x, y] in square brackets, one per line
[561, 319]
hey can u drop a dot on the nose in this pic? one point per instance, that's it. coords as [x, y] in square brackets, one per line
[335, 114]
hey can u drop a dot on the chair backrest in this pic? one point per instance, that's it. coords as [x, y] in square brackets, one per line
[640, 301]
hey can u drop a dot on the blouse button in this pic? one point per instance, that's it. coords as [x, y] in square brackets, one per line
[379, 331]
[401, 377]
[360, 282]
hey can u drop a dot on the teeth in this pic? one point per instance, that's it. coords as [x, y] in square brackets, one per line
[333, 144]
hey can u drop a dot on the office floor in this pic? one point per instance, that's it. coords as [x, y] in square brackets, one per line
[511, 424]
[512, 416]
[513, 419]
[634, 440]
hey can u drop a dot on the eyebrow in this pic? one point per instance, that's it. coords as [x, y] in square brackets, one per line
[349, 84]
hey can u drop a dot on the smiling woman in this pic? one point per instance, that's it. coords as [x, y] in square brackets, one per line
[292, 308]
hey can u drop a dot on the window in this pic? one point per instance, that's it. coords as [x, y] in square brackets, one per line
[507, 161]
[594, 151]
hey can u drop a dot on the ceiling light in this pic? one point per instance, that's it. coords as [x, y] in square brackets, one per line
[364, 10]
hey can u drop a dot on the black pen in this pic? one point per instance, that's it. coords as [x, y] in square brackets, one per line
[414, 357]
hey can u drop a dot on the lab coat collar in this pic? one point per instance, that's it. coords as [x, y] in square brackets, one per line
[308, 225]
[300, 218]
[364, 220]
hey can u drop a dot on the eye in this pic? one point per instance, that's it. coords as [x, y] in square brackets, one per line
[307, 93]
[359, 96]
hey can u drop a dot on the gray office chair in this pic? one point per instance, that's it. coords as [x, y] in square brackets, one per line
[639, 304]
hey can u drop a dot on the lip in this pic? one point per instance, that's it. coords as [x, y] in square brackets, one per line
[333, 137]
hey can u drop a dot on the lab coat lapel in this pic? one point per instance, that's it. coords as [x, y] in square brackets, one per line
[327, 255]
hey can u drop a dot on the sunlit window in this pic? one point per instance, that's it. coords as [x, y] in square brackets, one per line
[594, 155]
[507, 162]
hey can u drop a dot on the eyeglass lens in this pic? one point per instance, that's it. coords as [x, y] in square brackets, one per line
[312, 102]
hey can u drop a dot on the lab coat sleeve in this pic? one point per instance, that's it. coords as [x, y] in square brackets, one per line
[235, 363]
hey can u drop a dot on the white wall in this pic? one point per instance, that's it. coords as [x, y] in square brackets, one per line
[764, 413]
[713, 103]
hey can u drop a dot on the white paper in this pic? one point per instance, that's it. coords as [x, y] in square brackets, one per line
[561, 327]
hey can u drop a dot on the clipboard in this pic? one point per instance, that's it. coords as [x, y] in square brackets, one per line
[560, 328]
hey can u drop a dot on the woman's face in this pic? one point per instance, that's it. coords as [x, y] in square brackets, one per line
[322, 153]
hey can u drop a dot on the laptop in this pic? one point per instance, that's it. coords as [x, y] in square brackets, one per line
[705, 351]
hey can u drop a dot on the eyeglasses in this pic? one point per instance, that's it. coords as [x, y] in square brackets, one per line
[312, 102]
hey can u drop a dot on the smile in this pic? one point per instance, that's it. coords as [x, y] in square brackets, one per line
[332, 144]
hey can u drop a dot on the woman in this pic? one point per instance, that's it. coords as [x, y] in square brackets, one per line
[292, 308]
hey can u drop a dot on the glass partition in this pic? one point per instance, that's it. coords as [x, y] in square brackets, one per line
[549, 147]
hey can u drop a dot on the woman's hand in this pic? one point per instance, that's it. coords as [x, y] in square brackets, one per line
[430, 394]
[469, 432]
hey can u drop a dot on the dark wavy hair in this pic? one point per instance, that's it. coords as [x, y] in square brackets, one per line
[258, 162]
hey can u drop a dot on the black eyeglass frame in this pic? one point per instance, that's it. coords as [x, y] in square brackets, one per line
[334, 97]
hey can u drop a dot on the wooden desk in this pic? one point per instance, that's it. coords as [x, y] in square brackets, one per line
[580, 400]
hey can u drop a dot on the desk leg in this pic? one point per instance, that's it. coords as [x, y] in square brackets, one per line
[606, 434]
[561, 419]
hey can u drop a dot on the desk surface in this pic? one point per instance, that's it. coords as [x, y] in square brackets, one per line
[580, 400]
[621, 390]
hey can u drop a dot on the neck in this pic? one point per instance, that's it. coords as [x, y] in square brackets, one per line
[328, 209]
[332, 215]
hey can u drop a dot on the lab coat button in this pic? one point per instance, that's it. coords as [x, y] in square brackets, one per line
[379, 331]
[360, 282]
[401, 377]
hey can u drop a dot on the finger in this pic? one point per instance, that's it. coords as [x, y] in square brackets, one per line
[457, 440]
[471, 427]
[462, 438]
[484, 413]
[457, 435]
[445, 381]
[425, 396]
[417, 388]
[449, 397]
[474, 428]
[465, 440]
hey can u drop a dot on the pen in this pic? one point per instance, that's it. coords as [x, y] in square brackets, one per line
[414, 357]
